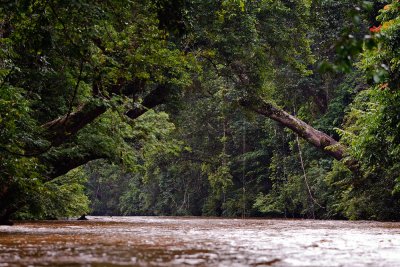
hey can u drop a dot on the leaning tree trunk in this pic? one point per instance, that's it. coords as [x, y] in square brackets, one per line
[313, 136]
[59, 130]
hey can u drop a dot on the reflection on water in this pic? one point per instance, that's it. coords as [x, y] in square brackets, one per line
[168, 241]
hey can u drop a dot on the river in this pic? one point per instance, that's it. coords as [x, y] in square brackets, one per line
[174, 241]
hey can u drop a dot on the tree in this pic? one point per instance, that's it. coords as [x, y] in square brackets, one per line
[70, 64]
[244, 47]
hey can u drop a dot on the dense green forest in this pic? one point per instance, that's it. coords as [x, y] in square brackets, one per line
[239, 108]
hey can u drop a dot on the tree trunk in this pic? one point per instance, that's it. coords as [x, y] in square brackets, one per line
[59, 130]
[156, 97]
[60, 165]
[317, 138]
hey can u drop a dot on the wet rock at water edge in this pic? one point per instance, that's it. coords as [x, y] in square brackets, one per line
[83, 218]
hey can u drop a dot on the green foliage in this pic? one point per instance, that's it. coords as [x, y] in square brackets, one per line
[240, 165]
[220, 180]
[200, 153]
[371, 133]
[381, 62]
[18, 173]
[126, 188]
[57, 57]
[105, 183]
[63, 197]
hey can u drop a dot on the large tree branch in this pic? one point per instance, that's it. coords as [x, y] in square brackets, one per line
[59, 130]
[313, 136]
[61, 164]
[304, 130]
[156, 97]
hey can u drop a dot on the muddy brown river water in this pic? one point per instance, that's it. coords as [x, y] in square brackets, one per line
[170, 241]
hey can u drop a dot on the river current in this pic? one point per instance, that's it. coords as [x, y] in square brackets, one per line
[174, 241]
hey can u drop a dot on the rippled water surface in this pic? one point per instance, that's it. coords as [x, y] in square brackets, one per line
[167, 241]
